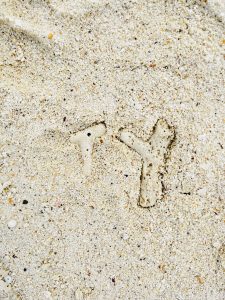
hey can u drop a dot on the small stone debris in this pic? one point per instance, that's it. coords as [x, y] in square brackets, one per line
[10, 201]
[50, 36]
[8, 279]
[199, 279]
[47, 295]
[125, 236]
[162, 268]
[12, 223]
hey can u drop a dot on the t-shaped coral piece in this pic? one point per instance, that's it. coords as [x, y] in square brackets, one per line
[85, 139]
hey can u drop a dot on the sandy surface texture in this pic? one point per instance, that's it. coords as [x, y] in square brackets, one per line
[112, 149]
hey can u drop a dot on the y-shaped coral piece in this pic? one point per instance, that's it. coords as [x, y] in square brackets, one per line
[153, 153]
[85, 139]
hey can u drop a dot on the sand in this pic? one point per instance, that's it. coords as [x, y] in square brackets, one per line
[112, 149]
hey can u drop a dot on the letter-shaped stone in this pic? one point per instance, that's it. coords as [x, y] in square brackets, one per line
[153, 153]
[85, 139]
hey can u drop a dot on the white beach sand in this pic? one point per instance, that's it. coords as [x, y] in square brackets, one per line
[112, 149]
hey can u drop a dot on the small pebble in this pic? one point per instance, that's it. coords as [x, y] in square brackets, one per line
[12, 223]
[202, 192]
[202, 138]
[8, 279]
[126, 236]
[199, 279]
[47, 295]
[50, 36]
